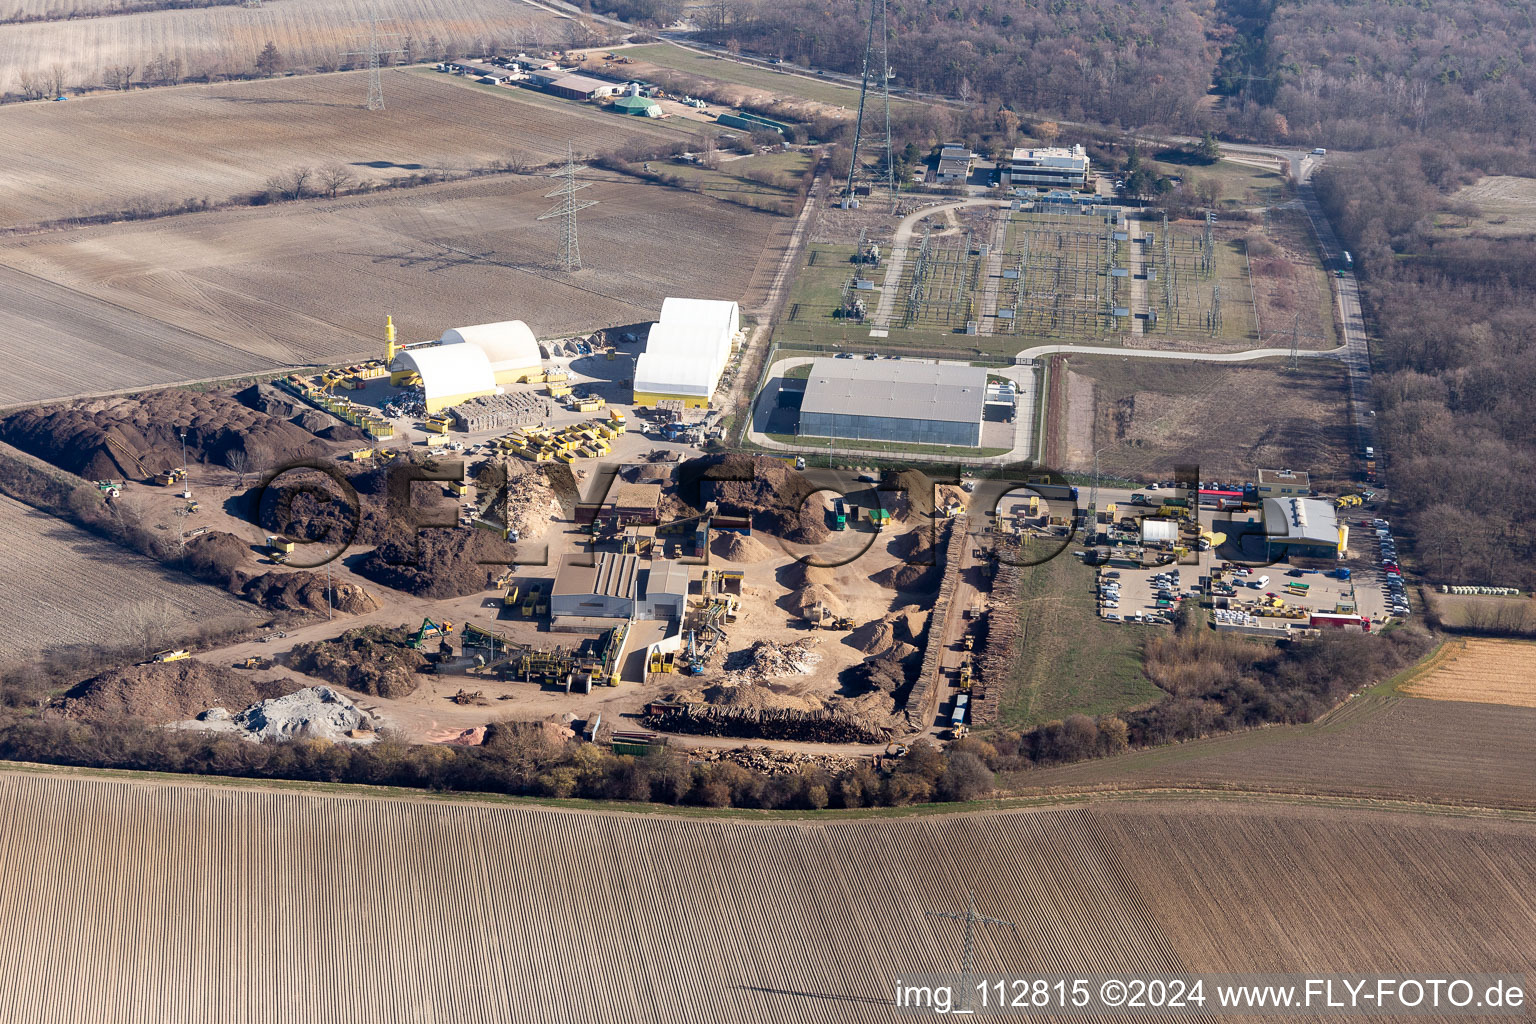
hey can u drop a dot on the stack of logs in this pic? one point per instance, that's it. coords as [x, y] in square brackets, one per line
[762, 723]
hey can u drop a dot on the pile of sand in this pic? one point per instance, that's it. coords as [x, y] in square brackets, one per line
[749, 695]
[816, 599]
[736, 547]
[914, 546]
[798, 574]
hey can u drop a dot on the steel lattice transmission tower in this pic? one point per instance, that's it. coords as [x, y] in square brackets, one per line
[971, 919]
[877, 66]
[565, 209]
[379, 44]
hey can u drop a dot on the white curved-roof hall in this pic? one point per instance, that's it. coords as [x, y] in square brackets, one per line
[449, 371]
[508, 344]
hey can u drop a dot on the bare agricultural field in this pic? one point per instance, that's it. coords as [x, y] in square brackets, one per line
[62, 586]
[1497, 206]
[102, 153]
[1402, 748]
[412, 913]
[310, 282]
[1226, 417]
[224, 41]
[1243, 888]
[1482, 671]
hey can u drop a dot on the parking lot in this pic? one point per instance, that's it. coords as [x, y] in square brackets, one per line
[1367, 584]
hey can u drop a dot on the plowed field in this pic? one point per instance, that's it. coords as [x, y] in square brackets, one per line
[1481, 671]
[225, 40]
[1399, 748]
[257, 906]
[240, 290]
[101, 153]
[62, 586]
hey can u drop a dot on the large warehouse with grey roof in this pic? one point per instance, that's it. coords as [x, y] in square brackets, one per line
[899, 401]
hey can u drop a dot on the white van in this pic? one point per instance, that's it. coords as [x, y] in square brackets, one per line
[1319, 151]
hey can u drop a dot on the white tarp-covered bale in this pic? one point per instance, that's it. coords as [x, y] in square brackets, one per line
[510, 346]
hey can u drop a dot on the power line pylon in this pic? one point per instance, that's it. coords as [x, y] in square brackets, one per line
[877, 65]
[971, 919]
[379, 45]
[570, 250]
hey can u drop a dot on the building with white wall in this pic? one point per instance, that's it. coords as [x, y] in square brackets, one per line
[1049, 168]
[686, 351]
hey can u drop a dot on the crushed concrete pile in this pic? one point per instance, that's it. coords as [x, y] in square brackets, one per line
[768, 660]
[736, 547]
[317, 712]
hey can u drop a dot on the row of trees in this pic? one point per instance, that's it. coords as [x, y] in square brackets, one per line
[1454, 389]
[518, 759]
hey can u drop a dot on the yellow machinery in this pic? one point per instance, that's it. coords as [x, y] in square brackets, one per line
[360, 454]
[167, 656]
[1348, 501]
[169, 477]
[965, 674]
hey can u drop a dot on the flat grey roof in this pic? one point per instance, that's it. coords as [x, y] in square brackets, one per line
[1285, 476]
[1300, 520]
[896, 388]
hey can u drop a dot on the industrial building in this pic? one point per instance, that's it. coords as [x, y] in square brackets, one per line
[559, 82]
[1283, 483]
[618, 586]
[898, 401]
[954, 164]
[1303, 527]
[468, 362]
[686, 351]
[1050, 168]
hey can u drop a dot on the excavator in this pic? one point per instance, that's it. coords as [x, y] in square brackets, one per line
[428, 630]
